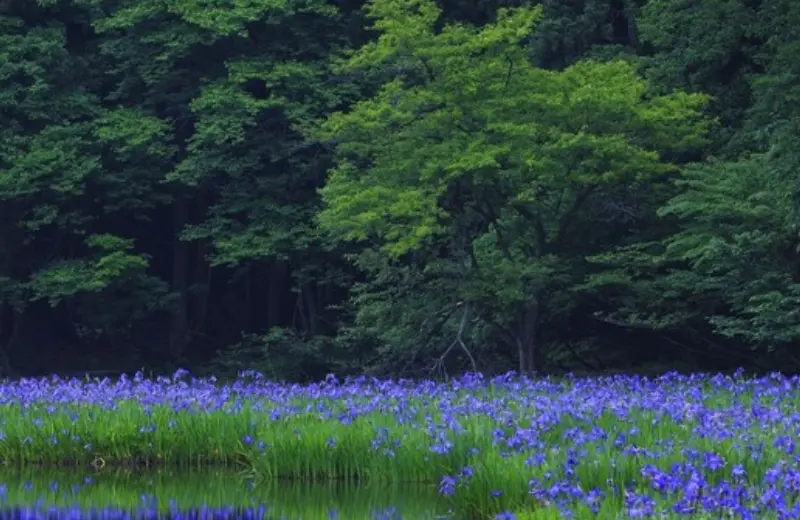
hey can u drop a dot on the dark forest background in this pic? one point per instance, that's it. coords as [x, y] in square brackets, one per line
[399, 189]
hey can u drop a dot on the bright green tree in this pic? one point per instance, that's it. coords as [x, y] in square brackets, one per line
[474, 176]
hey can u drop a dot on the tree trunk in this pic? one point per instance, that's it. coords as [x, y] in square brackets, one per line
[179, 337]
[526, 338]
[8, 328]
[201, 287]
[630, 16]
[275, 293]
[201, 279]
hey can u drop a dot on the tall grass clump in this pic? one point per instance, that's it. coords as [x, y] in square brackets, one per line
[613, 447]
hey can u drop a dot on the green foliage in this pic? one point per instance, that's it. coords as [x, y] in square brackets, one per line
[698, 39]
[280, 354]
[478, 116]
[478, 151]
[129, 131]
[709, 47]
[733, 261]
[732, 258]
[411, 194]
[112, 262]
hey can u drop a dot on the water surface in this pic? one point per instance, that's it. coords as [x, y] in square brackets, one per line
[166, 490]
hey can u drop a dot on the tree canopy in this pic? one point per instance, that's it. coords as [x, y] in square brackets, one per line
[398, 187]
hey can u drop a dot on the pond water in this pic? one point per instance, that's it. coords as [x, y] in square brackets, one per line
[171, 491]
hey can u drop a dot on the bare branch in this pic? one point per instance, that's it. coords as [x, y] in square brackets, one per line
[458, 341]
[428, 69]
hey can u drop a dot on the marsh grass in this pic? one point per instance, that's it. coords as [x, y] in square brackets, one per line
[418, 438]
[128, 435]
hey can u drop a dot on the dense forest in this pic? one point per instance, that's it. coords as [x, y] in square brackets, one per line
[399, 187]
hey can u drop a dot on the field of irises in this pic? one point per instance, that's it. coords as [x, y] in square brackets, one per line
[697, 446]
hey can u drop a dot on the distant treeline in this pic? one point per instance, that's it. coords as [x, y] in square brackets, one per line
[399, 187]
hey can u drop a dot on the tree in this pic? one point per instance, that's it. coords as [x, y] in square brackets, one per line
[55, 244]
[228, 89]
[466, 175]
[706, 46]
[731, 263]
[157, 196]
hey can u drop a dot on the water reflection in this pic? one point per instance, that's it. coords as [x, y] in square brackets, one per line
[165, 491]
